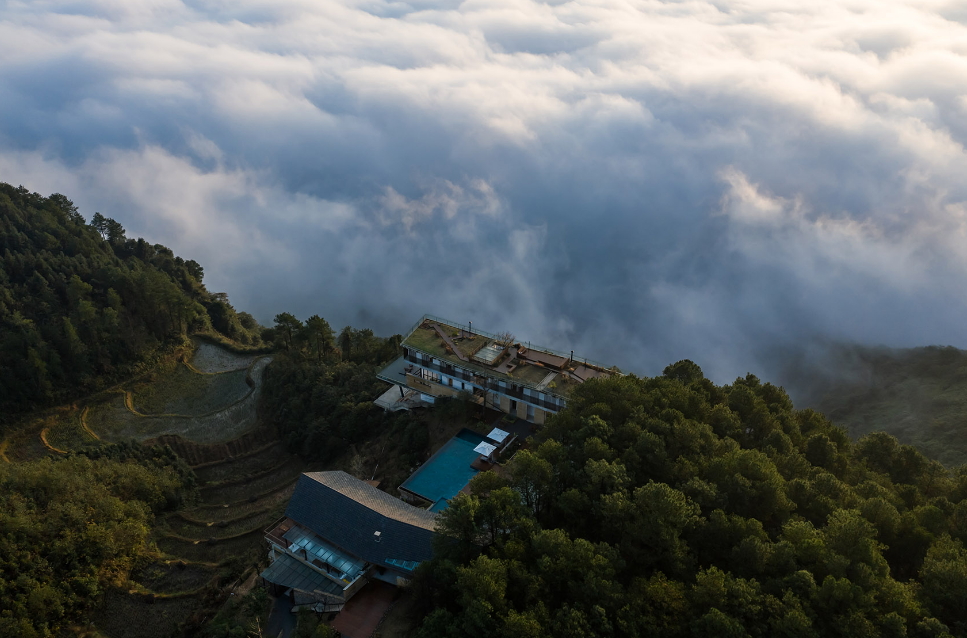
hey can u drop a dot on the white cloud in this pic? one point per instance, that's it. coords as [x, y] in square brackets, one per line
[583, 173]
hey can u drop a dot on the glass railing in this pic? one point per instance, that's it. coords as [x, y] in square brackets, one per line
[485, 383]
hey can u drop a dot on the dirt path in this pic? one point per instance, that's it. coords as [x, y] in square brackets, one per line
[43, 439]
[84, 425]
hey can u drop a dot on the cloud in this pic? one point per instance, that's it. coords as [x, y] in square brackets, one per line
[641, 182]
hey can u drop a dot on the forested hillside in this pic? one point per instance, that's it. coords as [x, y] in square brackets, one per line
[71, 528]
[674, 507]
[81, 304]
[919, 395]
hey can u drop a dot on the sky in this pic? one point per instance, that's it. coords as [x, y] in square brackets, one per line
[640, 181]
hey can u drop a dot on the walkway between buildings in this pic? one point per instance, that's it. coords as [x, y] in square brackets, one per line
[446, 340]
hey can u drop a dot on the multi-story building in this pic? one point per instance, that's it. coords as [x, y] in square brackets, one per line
[339, 534]
[443, 358]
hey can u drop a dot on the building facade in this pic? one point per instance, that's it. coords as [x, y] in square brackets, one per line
[340, 533]
[442, 358]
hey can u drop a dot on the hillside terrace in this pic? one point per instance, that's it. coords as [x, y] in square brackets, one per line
[521, 363]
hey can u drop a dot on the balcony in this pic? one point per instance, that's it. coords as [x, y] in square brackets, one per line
[275, 533]
[484, 383]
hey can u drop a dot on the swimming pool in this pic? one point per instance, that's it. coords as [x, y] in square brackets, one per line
[446, 472]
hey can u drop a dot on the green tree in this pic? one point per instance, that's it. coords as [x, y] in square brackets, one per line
[318, 334]
[287, 326]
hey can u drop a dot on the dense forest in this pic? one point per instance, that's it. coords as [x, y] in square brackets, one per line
[82, 305]
[319, 390]
[919, 395]
[673, 507]
[70, 528]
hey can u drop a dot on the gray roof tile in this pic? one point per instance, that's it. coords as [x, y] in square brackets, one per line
[347, 512]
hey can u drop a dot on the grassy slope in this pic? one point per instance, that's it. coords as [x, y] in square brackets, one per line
[183, 391]
[918, 395]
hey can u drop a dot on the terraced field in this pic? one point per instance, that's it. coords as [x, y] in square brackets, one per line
[205, 409]
[68, 433]
[210, 358]
[223, 411]
[173, 578]
[184, 392]
[133, 616]
[25, 444]
[206, 547]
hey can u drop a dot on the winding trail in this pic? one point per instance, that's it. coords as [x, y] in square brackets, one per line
[43, 439]
[84, 425]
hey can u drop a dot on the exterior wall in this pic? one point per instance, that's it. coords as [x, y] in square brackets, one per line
[355, 586]
[392, 577]
[432, 388]
[495, 399]
[429, 387]
[417, 383]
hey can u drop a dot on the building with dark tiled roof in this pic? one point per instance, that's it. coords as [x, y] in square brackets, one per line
[338, 533]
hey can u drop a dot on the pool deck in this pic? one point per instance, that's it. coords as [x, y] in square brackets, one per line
[446, 472]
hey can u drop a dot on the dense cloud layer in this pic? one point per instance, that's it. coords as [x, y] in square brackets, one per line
[640, 181]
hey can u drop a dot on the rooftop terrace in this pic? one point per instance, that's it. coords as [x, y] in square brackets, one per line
[520, 362]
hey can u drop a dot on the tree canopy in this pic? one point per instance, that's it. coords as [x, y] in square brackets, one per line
[70, 528]
[81, 304]
[671, 506]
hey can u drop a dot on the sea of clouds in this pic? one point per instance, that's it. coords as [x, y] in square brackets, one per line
[640, 181]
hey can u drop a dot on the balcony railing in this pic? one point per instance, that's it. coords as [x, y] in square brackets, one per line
[485, 383]
[274, 532]
[448, 370]
[528, 344]
[482, 381]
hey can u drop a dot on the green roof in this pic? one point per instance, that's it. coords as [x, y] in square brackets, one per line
[425, 338]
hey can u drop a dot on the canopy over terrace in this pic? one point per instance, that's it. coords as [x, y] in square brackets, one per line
[485, 449]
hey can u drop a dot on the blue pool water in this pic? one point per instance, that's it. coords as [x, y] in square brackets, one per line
[447, 472]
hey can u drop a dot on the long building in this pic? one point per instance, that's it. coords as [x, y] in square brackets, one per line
[443, 358]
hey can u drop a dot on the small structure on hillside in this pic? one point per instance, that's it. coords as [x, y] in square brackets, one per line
[340, 533]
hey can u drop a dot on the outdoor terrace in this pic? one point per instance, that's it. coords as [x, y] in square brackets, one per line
[298, 541]
[531, 366]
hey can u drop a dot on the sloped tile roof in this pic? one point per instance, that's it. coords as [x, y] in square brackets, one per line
[289, 572]
[347, 512]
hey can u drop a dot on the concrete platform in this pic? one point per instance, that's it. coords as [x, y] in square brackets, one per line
[361, 615]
